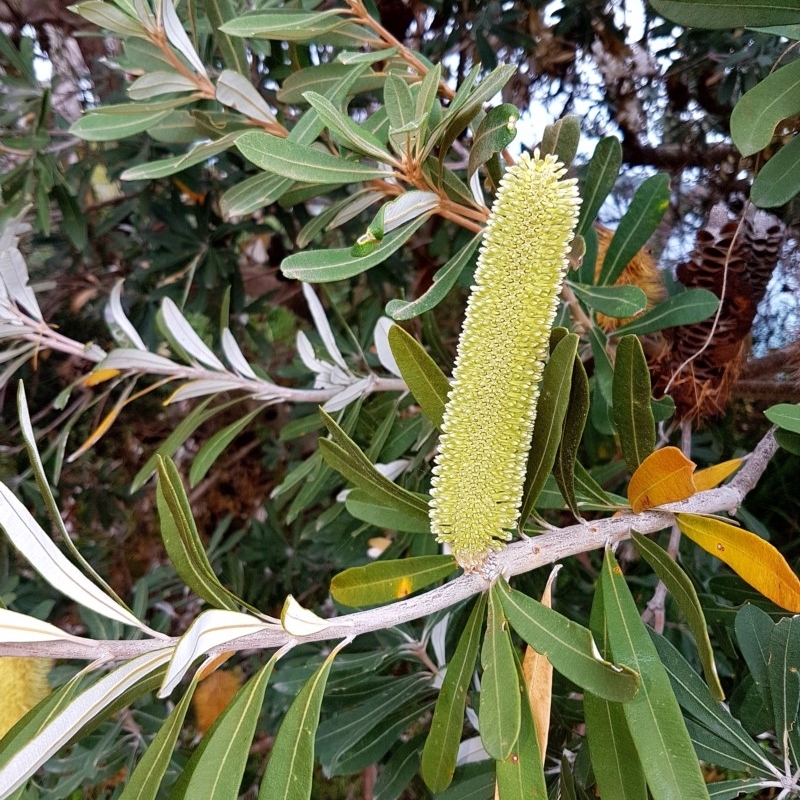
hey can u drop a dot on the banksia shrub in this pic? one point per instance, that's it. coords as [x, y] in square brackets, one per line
[488, 420]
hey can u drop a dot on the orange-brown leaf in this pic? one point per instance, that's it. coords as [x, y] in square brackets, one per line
[713, 476]
[753, 559]
[663, 477]
[212, 696]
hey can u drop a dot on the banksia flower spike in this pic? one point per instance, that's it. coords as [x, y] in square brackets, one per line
[488, 421]
[23, 683]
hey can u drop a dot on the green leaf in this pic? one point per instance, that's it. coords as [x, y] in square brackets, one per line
[253, 193]
[642, 217]
[233, 50]
[501, 701]
[361, 505]
[323, 266]
[324, 78]
[633, 416]
[613, 301]
[214, 447]
[216, 767]
[291, 761]
[73, 219]
[398, 771]
[182, 540]
[386, 581]
[783, 672]
[661, 738]
[571, 434]
[496, 131]
[683, 591]
[686, 308]
[562, 139]
[551, 410]
[758, 112]
[615, 761]
[345, 456]
[104, 15]
[568, 646]
[301, 162]
[169, 166]
[144, 782]
[785, 416]
[601, 175]
[727, 13]
[285, 24]
[441, 747]
[95, 127]
[730, 790]
[753, 631]
[443, 280]
[424, 379]
[777, 181]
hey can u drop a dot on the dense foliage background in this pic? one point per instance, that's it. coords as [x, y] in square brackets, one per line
[138, 144]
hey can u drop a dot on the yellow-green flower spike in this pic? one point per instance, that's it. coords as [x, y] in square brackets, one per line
[488, 421]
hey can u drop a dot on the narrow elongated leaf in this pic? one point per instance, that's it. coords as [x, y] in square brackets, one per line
[663, 477]
[777, 181]
[441, 747]
[550, 413]
[104, 15]
[183, 337]
[569, 646]
[177, 36]
[253, 193]
[660, 735]
[683, 591]
[301, 162]
[642, 217]
[145, 780]
[613, 301]
[214, 447]
[367, 508]
[730, 790]
[152, 84]
[233, 50]
[285, 24]
[753, 630]
[562, 139]
[501, 700]
[783, 671]
[235, 91]
[323, 266]
[95, 127]
[16, 627]
[384, 581]
[399, 771]
[785, 416]
[727, 13]
[291, 762]
[713, 476]
[182, 540]
[633, 415]
[686, 308]
[749, 556]
[424, 379]
[601, 175]
[495, 132]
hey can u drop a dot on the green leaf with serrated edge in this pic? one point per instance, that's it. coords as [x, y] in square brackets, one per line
[345, 456]
[613, 301]
[301, 162]
[727, 13]
[551, 410]
[214, 447]
[777, 182]
[758, 112]
[562, 139]
[146, 778]
[615, 761]
[500, 707]
[783, 672]
[441, 747]
[601, 175]
[642, 217]
[323, 266]
[233, 50]
[424, 379]
[785, 416]
[398, 772]
[217, 764]
[520, 776]
[496, 131]
[571, 434]
[94, 127]
[361, 505]
[386, 581]
[684, 594]
[568, 646]
[443, 280]
[661, 738]
[291, 761]
[182, 541]
[355, 137]
[696, 700]
[686, 308]
[285, 25]
[633, 416]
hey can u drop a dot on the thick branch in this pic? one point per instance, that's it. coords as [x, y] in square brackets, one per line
[515, 559]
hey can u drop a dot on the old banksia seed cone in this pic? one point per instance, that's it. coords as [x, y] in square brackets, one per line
[488, 421]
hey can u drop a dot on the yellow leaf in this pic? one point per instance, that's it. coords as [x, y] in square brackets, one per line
[100, 376]
[713, 476]
[663, 477]
[213, 695]
[749, 556]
